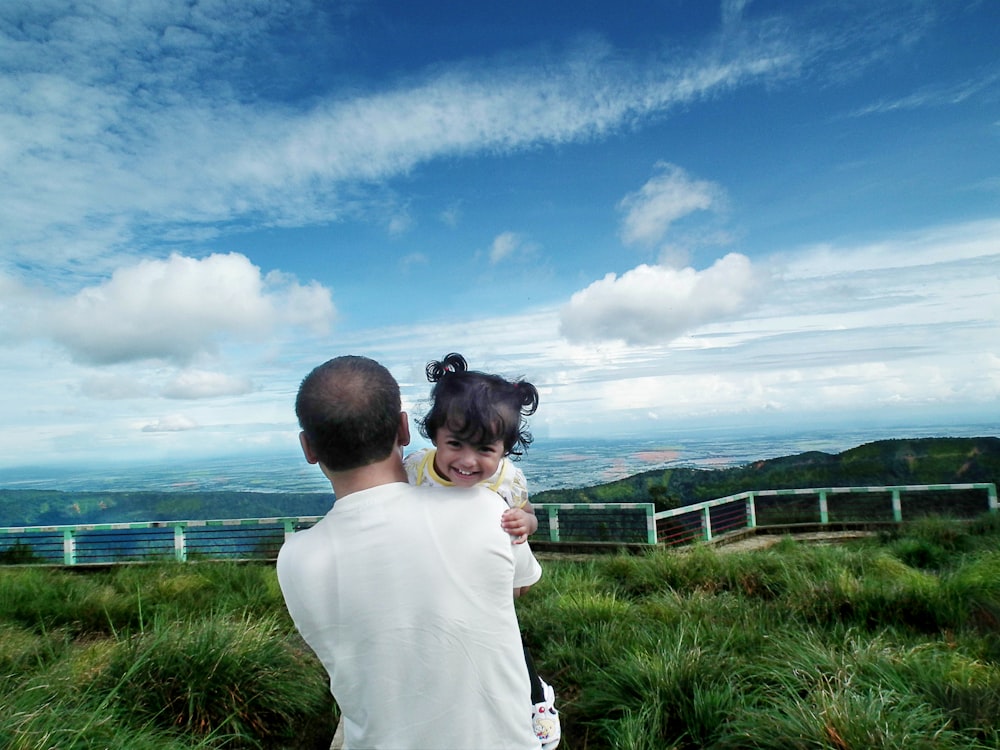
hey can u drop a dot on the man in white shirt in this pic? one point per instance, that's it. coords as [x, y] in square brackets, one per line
[404, 593]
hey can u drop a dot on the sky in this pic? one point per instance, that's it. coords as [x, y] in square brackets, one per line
[748, 213]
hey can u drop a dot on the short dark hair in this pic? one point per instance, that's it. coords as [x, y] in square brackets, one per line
[478, 407]
[349, 409]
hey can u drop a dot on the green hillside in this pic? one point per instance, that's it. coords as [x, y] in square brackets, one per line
[918, 461]
[53, 508]
[884, 462]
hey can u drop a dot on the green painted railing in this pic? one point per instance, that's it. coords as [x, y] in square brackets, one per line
[596, 522]
[260, 538]
[815, 505]
[103, 543]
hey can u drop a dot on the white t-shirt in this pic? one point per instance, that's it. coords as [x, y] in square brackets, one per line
[404, 594]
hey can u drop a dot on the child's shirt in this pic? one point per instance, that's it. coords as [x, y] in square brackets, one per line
[507, 481]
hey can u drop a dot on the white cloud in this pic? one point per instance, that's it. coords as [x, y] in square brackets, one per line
[451, 215]
[146, 127]
[504, 245]
[196, 384]
[172, 423]
[412, 260]
[655, 304]
[926, 338]
[935, 96]
[400, 223]
[174, 309]
[732, 11]
[921, 248]
[670, 195]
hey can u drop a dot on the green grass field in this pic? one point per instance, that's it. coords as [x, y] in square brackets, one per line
[892, 642]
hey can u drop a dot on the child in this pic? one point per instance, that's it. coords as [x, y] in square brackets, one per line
[475, 422]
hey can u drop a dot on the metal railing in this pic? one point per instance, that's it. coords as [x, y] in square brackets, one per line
[596, 522]
[623, 523]
[260, 538]
[817, 505]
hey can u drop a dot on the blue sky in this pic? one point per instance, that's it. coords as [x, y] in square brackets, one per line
[688, 214]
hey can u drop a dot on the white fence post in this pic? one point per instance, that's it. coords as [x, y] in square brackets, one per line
[897, 506]
[824, 508]
[180, 546]
[69, 547]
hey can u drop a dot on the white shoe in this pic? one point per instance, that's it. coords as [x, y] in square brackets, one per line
[545, 719]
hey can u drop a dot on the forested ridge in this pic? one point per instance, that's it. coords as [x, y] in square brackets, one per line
[884, 462]
[53, 507]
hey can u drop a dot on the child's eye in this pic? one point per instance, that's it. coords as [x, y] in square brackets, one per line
[453, 444]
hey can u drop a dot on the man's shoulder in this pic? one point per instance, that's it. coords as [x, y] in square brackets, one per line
[302, 537]
[457, 495]
[464, 507]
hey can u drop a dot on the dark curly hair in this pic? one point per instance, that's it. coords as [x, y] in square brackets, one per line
[478, 407]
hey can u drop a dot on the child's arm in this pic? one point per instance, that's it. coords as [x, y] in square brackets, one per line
[520, 523]
[519, 520]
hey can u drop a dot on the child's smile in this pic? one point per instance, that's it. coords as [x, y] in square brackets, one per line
[463, 463]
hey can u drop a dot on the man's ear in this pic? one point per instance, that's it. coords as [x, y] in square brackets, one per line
[307, 450]
[403, 437]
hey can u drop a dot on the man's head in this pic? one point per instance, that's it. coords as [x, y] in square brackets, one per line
[349, 411]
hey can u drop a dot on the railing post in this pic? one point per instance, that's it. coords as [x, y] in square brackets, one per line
[553, 523]
[824, 508]
[650, 524]
[897, 506]
[180, 543]
[751, 511]
[289, 528]
[991, 496]
[707, 523]
[69, 547]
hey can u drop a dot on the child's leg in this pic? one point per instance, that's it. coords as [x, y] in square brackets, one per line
[544, 717]
[537, 694]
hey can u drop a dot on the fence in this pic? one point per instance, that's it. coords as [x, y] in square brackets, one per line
[260, 538]
[635, 523]
[820, 505]
[596, 522]
[241, 538]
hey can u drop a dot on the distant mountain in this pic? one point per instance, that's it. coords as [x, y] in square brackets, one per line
[55, 508]
[884, 462]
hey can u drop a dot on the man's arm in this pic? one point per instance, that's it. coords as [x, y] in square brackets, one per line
[527, 571]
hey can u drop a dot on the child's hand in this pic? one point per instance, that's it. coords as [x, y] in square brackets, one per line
[519, 524]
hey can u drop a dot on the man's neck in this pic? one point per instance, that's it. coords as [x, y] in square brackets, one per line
[387, 471]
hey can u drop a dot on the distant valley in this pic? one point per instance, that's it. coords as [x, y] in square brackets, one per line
[884, 462]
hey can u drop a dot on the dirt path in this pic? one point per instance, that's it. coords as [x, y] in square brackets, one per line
[763, 541]
[745, 543]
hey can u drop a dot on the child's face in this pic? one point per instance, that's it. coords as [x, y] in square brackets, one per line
[462, 463]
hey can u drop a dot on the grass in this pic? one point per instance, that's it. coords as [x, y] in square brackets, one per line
[155, 657]
[892, 642]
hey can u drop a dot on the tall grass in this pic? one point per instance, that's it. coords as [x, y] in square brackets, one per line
[799, 646]
[158, 657]
[853, 647]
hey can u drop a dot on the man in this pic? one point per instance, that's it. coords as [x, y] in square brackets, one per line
[404, 592]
